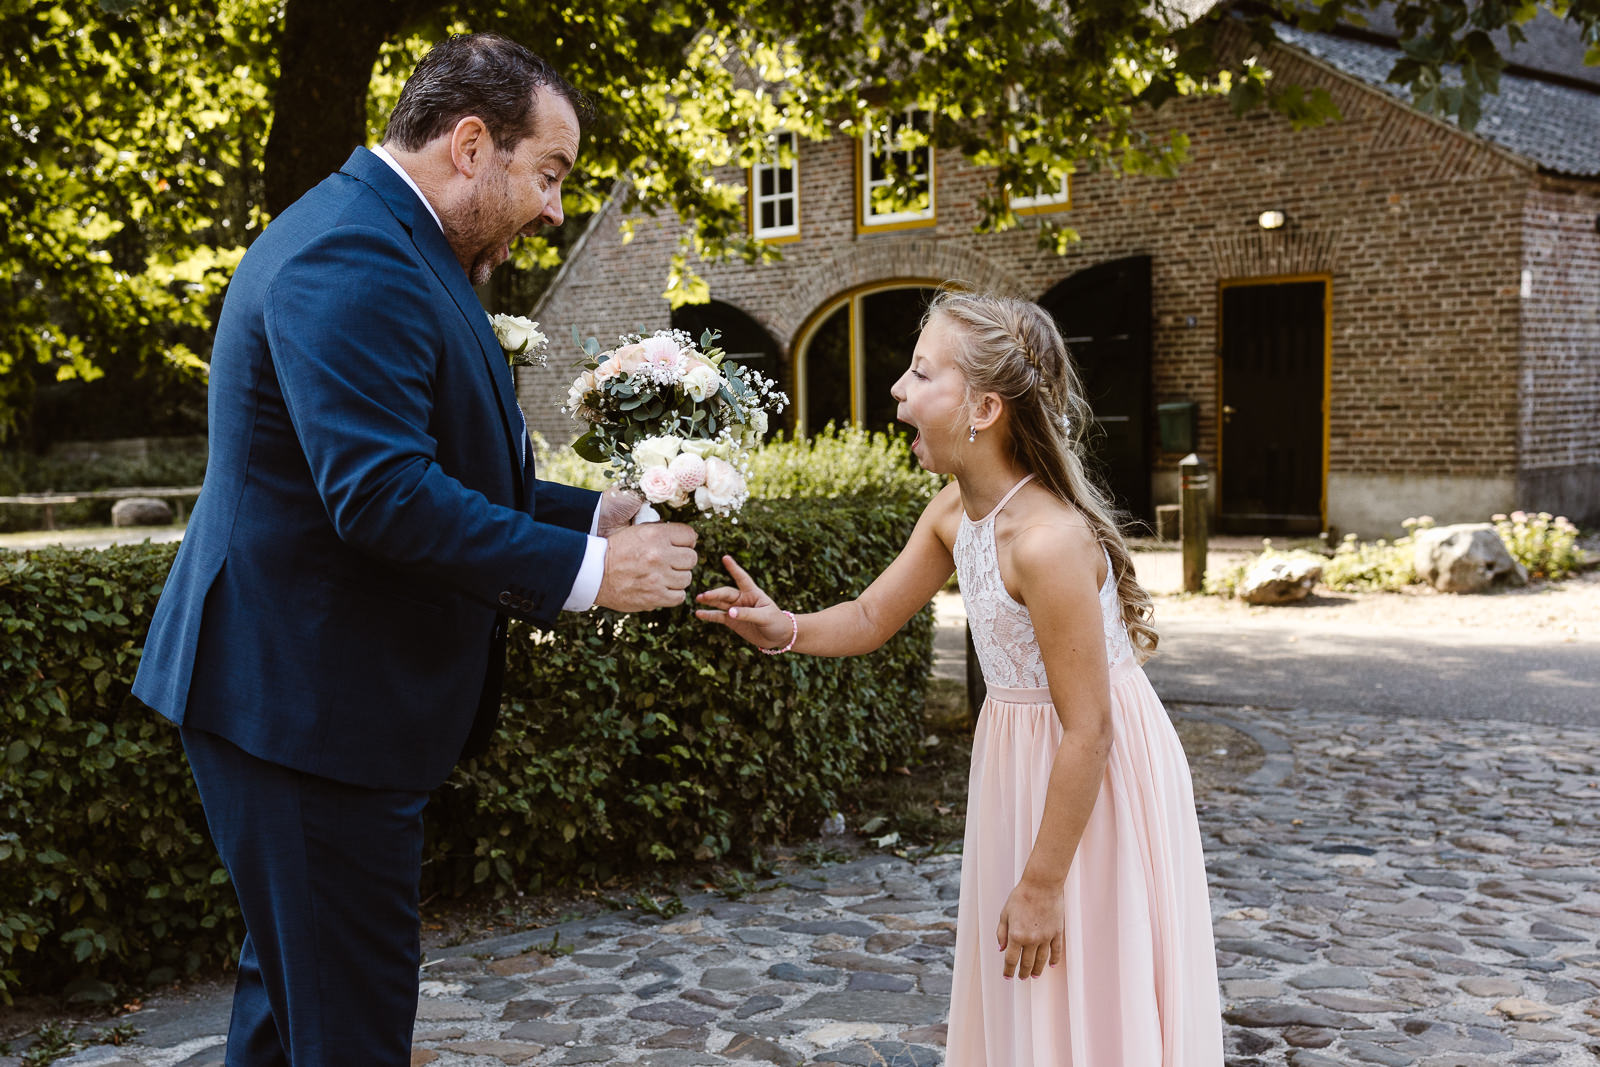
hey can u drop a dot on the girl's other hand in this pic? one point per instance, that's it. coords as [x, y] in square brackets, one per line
[745, 609]
[1032, 929]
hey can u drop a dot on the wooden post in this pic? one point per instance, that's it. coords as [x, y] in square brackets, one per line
[1195, 485]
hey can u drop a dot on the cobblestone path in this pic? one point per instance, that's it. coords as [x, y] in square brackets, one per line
[1385, 891]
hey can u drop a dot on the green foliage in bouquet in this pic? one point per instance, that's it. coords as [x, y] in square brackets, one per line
[625, 740]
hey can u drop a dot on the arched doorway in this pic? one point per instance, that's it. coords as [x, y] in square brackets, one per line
[851, 350]
[1103, 312]
[743, 339]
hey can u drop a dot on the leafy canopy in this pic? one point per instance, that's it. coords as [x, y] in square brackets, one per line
[139, 162]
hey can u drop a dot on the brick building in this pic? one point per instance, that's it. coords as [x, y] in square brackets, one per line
[1417, 333]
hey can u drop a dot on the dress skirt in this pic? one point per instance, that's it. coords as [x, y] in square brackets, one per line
[1138, 984]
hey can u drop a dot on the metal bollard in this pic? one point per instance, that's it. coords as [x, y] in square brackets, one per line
[1195, 487]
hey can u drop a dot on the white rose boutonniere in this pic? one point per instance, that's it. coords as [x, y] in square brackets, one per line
[521, 339]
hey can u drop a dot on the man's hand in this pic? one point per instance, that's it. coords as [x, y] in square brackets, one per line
[617, 509]
[647, 566]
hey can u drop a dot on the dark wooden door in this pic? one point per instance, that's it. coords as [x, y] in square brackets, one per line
[1274, 352]
[1104, 314]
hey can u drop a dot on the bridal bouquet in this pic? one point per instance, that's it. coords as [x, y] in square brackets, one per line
[673, 420]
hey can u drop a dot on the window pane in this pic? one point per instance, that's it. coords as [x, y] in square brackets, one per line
[786, 212]
[765, 181]
[767, 218]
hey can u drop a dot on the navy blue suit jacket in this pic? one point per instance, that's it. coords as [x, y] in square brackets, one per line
[369, 513]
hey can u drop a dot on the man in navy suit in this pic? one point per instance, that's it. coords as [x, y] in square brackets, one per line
[331, 637]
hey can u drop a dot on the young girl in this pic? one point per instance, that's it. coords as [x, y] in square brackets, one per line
[1084, 929]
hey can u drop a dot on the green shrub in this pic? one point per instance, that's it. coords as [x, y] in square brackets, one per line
[1547, 545]
[657, 737]
[624, 739]
[102, 853]
[1371, 566]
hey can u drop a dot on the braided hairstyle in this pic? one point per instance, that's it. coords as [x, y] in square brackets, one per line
[1013, 348]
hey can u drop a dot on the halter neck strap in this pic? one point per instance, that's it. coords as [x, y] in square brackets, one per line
[1026, 478]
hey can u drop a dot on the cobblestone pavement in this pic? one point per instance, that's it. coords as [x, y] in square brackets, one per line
[1385, 891]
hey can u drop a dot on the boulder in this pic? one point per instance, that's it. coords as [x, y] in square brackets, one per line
[1279, 579]
[1464, 558]
[141, 511]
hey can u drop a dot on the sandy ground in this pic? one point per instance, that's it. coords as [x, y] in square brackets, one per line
[1562, 610]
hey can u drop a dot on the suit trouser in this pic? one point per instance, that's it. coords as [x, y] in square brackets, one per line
[327, 877]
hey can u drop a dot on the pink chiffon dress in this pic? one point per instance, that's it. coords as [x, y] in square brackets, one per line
[1138, 984]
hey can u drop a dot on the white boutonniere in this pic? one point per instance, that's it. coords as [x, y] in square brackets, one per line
[521, 340]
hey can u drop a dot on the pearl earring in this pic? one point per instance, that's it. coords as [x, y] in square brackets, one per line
[972, 434]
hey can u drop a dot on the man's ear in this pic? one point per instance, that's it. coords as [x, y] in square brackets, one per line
[470, 146]
[986, 409]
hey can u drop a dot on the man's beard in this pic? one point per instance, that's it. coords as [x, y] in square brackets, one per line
[476, 232]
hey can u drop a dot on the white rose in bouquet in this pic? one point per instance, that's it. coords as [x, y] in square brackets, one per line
[656, 451]
[702, 382]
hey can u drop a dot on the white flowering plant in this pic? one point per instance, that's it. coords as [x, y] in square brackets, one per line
[673, 420]
[520, 339]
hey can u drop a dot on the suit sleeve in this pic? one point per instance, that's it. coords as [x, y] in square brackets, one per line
[358, 342]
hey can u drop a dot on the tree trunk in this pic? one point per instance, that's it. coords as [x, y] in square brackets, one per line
[320, 102]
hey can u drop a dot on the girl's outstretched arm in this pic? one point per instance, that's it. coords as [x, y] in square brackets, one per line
[1056, 569]
[854, 626]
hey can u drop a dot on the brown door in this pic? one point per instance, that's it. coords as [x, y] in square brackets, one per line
[1274, 352]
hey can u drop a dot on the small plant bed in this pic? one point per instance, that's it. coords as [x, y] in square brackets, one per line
[1547, 547]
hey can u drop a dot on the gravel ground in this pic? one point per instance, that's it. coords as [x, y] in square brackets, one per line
[1564, 610]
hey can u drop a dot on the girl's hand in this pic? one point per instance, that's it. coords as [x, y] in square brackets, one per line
[1032, 929]
[745, 610]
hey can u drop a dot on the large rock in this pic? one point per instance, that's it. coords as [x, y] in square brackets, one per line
[141, 511]
[1279, 579]
[1464, 558]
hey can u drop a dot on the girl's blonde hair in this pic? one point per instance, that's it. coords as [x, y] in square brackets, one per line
[1013, 348]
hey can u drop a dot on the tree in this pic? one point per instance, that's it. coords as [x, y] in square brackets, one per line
[132, 174]
[141, 163]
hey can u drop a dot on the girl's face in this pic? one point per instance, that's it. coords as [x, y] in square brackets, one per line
[932, 396]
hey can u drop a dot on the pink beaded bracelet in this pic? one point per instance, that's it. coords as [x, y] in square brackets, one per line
[793, 636]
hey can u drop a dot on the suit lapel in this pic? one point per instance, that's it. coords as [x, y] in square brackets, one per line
[430, 242]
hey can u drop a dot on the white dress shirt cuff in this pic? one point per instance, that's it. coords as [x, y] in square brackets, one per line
[587, 585]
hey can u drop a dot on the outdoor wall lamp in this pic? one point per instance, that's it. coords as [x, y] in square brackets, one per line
[1271, 220]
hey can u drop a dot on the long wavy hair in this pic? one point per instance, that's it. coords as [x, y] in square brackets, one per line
[1013, 348]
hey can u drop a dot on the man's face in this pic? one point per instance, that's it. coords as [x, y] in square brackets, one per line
[518, 192]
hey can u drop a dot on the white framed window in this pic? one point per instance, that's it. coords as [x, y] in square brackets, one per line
[775, 190]
[896, 149]
[1050, 200]
[1040, 200]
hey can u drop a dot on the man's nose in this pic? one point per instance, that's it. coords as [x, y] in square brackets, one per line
[552, 210]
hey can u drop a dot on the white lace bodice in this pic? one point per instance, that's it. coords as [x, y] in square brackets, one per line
[1002, 629]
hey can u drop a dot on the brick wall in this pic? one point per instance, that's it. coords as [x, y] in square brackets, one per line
[1420, 228]
[1560, 379]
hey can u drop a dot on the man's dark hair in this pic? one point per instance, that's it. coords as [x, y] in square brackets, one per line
[480, 74]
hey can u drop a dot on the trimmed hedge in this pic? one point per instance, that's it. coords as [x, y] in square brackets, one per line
[625, 739]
